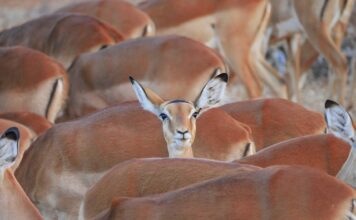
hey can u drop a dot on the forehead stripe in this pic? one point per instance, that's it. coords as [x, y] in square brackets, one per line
[177, 100]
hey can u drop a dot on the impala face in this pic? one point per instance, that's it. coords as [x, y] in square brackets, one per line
[8, 148]
[179, 119]
[179, 116]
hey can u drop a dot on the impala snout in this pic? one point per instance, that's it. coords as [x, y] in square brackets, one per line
[183, 135]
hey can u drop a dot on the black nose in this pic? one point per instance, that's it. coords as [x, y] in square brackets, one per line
[182, 132]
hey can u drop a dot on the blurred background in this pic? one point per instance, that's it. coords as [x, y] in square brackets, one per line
[15, 12]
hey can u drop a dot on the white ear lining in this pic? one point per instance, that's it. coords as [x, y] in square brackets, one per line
[338, 121]
[142, 97]
[212, 93]
[8, 147]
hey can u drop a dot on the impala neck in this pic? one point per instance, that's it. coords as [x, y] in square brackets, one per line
[184, 152]
[347, 172]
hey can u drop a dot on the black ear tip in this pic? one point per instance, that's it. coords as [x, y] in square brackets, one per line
[330, 103]
[224, 77]
[131, 80]
[12, 133]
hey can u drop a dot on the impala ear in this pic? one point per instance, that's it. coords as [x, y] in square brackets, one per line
[148, 99]
[9, 147]
[213, 92]
[338, 120]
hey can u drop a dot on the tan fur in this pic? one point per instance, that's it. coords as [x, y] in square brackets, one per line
[235, 24]
[37, 123]
[27, 136]
[101, 79]
[278, 192]
[72, 156]
[27, 82]
[62, 36]
[144, 177]
[324, 152]
[275, 120]
[127, 19]
[14, 203]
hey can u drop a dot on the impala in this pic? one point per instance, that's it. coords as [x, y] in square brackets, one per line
[236, 26]
[179, 116]
[149, 176]
[332, 153]
[70, 157]
[63, 36]
[275, 120]
[43, 87]
[130, 21]
[278, 193]
[100, 79]
[14, 203]
[99, 82]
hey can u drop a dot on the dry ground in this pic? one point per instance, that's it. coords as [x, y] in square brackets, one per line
[14, 12]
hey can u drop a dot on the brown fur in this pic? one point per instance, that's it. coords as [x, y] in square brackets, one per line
[324, 152]
[63, 36]
[144, 177]
[275, 120]
[277, 193]
[14, 203]
[101, 79]
[127, 19]
[33, 121]
[27, 81]
[237, 24]
[84, 149]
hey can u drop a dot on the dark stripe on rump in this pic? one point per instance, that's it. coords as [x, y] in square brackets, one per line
[54, 88]
[247, 149]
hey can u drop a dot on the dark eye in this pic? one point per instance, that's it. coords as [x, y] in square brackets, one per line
[163, 116]
[195, 114]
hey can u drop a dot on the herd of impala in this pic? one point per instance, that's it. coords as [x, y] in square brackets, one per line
[76, 144]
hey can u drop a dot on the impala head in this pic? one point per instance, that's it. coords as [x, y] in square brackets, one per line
[339, 122]
[8, 148]
[179, 116]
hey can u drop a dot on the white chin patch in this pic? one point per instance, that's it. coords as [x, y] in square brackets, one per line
[179, 146]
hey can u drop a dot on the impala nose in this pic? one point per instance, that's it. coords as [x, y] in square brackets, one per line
[185, 134]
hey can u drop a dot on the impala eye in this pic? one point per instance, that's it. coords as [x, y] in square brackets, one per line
[163, 116]
[195, 114]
